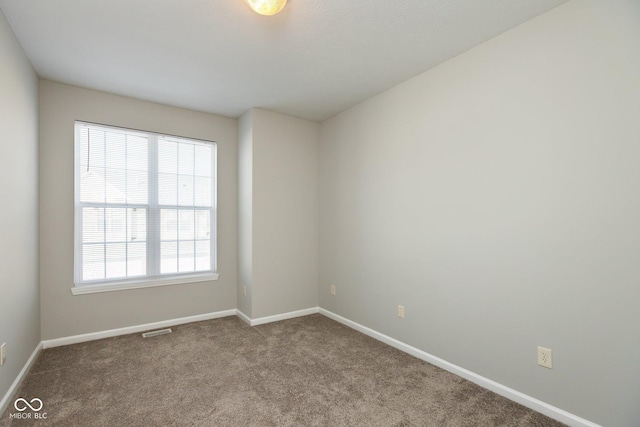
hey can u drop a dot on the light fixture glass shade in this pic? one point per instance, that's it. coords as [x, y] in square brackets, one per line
[267, 7]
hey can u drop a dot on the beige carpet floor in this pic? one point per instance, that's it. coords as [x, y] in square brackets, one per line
[309, 371]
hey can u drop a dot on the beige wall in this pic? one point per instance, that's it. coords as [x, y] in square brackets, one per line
[64, 314]
[19, 293]
[496, 198]
[279, 213]
[245, 213]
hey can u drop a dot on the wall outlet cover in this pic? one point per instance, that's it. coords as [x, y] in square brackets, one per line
[545, 357]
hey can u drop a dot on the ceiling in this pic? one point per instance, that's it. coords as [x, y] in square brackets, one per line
[313, 60]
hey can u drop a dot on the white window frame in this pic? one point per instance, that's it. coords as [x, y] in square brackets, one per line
[153, 277]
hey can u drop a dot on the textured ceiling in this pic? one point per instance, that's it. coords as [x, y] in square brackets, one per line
[313, 60]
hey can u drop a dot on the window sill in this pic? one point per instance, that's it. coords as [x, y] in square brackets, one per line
[123, 286]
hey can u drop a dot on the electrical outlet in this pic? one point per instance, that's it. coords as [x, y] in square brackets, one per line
[401, 311]
[244, 291]
[333, 290]
[3, 353]
[545, 357]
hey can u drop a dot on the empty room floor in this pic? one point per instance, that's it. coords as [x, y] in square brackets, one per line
[308, 371]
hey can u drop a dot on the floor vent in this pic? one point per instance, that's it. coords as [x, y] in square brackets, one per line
[156, 333]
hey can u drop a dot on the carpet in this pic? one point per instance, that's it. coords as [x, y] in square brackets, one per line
[308, 371]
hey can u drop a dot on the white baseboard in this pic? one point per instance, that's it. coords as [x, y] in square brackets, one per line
[277, 317]
[6, 400]
[57, 342]
[134, 329]
[246, 319]
[521, 398]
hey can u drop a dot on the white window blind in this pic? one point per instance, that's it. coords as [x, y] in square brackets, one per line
[144, 206]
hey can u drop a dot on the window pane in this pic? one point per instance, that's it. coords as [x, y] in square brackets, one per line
[83, 132]
[185, 190]
[185, 158]
[137, 182]
[203, 191]
[168, 225]
[137, 153]
[136, 225]
[203, 227]
[167, 157]
[167, 189]
[187, 225]
[203, 160]
[115, 150]
[92, 225]
[168, 257]
[116, 185]
[92, 262]
[93, 149]
[136, 259]
[115, 224]
[203, 255]
[116, 260]
[92, 185]
[186, 261]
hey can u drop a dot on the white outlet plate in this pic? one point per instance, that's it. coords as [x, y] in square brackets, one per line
[545, 357]
[401, 311]
[3, 353]
[244, 291]
[333, 290]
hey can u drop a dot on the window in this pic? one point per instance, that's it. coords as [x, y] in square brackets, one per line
[145, 209]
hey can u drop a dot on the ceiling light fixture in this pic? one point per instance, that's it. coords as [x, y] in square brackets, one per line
[266, 7]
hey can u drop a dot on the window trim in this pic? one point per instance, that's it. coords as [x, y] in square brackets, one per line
[118, 284]
[123, 285]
